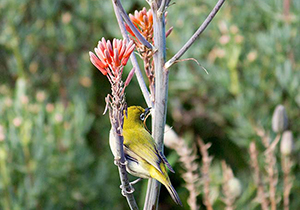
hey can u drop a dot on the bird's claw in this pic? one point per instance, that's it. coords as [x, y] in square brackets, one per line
[117, 162]
[126, 192]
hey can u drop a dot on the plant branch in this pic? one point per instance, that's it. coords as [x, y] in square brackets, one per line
[133, 59]
[161, 96]
[189, 43]
[162, 7]
[127, 190]
[126, 18]
[117, 106]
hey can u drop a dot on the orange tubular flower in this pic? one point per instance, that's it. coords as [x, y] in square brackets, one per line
[110, 57]
[143, 21]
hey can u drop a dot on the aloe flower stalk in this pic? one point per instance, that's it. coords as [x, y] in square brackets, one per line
[110, 59]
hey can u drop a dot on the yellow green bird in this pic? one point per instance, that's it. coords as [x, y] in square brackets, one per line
[144, 160]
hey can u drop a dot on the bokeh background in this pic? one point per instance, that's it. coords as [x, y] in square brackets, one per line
[54, 150]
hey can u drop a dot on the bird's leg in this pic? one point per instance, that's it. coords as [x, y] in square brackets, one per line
[125, 192]
[136, 181]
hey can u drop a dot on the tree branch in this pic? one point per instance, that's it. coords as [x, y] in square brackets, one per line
[133, 59]
[189, 43]
[126, 18]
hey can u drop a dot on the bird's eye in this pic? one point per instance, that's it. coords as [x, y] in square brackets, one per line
[142, 117]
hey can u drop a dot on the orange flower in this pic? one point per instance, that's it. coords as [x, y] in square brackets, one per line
[110, 57]
[143, 21]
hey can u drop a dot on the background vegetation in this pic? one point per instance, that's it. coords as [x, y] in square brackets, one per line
[54, 150]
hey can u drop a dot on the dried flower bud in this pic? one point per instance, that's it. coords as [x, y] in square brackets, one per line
[170, 138]
[287, 143]
[234, 187]
[279, 119]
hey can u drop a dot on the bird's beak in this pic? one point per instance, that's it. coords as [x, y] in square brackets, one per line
[147, 111]
[147, 114]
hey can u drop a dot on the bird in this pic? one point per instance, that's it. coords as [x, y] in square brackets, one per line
[143, 158]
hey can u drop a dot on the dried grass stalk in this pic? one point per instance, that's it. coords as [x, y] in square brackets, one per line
[206, 160]
[188, 159]
[227, 176]
[261, 196]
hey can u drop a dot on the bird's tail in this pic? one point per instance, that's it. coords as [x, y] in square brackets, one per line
[165, 180]
[173, 194]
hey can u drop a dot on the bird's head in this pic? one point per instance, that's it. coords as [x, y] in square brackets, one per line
[136, 116]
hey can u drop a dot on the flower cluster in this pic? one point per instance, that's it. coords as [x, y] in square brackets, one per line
[143, 21]
[110, 57]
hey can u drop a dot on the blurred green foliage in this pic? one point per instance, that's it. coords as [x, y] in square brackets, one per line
[54, 150]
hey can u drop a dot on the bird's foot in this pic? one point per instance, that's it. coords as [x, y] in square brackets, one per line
[126, 191]
[135, 181]
[117, 162]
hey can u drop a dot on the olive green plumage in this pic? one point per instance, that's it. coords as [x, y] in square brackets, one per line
[143, 158]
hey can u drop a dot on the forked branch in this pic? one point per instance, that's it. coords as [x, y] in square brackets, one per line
[191, 41]
[126, 18]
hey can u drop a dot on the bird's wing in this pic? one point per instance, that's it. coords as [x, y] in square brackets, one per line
[141, 144]
[164, 159]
